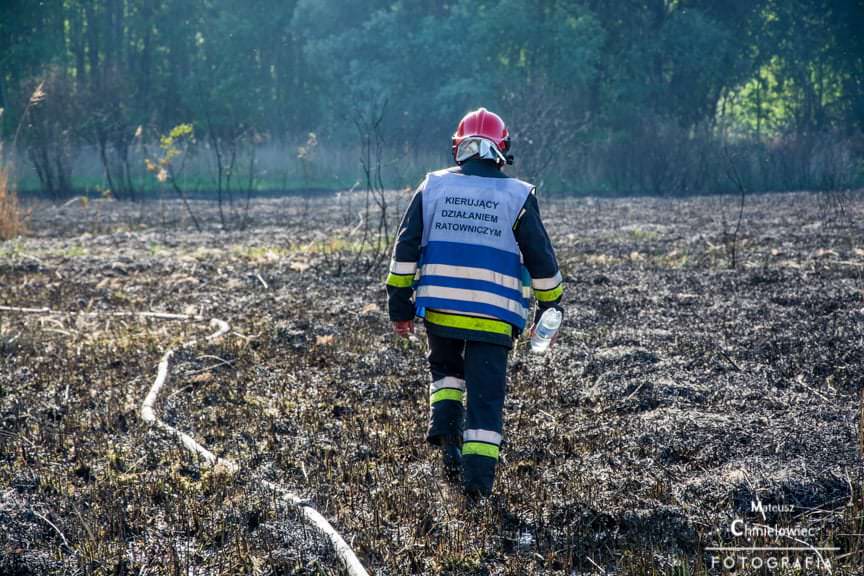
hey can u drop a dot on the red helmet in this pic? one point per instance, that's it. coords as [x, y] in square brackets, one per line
[482, 123]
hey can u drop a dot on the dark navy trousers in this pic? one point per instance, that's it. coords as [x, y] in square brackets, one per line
[474, 373]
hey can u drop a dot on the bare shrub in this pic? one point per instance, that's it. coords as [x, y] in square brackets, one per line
[543, 133]
[50, 142]
[731, 233]
[109, 126]
[659, 157]
[376, 236]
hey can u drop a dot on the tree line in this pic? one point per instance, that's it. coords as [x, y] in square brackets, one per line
[656, 96]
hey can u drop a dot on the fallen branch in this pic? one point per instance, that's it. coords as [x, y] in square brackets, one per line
[156, 315]
[56, 529]
[71, 201]
[633, 393]
[343, 551]
[148, 414]
[729, 359]
[25, 310]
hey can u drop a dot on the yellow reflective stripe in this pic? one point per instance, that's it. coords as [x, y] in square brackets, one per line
[480, 449]
[469, 323]
[518, 218]
[400, 280]
[445, 394]
[549, 295]
[447, 382]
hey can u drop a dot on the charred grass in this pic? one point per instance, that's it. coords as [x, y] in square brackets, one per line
[680, 392]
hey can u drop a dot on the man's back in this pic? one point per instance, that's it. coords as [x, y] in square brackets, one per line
[458, 264]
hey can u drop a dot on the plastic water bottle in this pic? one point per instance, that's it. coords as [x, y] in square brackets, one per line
[546, 330]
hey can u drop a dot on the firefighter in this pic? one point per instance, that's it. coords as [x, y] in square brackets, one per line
[470, 248]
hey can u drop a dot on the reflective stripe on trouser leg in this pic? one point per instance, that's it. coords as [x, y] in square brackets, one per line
[486, 382]
[481, 443]
[447, 389]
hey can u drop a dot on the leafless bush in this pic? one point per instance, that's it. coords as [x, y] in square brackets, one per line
[826, 161]
[254, 140]
[835, 161]
[49, 115]
[659, 158]
[307, 154]
[227, 142]
[376, 236]
[730, 233]
[542, 129]
[838, 161]
[109, 126]
[662, 158]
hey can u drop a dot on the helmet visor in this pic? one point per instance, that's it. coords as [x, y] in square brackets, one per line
[479, 147]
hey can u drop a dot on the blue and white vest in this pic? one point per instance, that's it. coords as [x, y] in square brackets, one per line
[470, 260]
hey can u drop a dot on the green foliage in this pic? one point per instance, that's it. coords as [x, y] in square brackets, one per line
[804, 59]
[171, 146]
[619, 79]
[170, 143]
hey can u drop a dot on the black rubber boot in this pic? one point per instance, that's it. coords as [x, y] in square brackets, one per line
[445, 420]
[478, 475]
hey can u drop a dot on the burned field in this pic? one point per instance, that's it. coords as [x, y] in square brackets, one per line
[681, 391]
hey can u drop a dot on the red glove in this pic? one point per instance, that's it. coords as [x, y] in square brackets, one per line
[403, 328]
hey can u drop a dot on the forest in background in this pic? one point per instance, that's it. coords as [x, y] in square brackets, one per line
[666, 97]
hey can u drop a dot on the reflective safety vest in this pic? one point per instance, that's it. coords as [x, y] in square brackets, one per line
[470, 261]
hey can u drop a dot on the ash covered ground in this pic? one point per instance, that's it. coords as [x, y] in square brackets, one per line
[681, 391]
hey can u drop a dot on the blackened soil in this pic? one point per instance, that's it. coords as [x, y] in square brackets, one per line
[697, 378]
